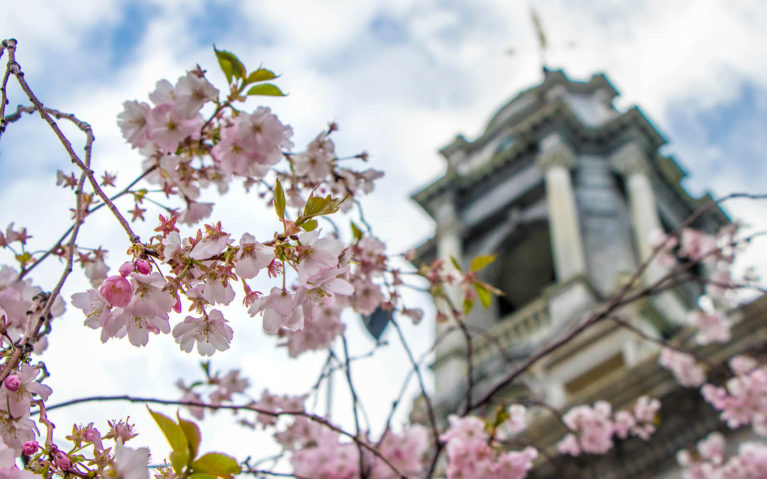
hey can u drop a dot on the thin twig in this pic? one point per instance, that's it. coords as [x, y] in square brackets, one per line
[11, 47]
[421, 383]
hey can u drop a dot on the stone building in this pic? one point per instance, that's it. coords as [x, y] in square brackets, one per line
[568, 191]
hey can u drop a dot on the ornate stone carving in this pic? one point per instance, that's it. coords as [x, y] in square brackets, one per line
[555, 152]
[629, 159]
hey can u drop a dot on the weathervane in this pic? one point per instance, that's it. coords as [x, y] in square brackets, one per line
[543, 43]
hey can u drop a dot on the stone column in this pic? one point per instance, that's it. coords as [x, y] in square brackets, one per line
[631, 162]
[557, 158]
[449, 368]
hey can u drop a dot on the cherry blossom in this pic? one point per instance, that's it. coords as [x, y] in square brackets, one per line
[316, 162]
[469, 454]
[251, 257]
[281, 309]
[712, 326]
[131, 463]
[686, 370]
[18, 400]
[743, 399]
[210, 332]
[117, 291]
[167, 127]
[132, 122]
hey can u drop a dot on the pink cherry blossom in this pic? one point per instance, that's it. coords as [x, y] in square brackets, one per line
[96, 271]
[281, 309]
[99, 314]
[214, 243]
[743, 400]
[697, 245]
[12, 382]
[17, 402]
[367, 296]
[131, 463]
[167, 127]
[62, 461]
[713, 326]
[407, 451]
[317, 161]
[686, 370]
[29, 448]
[117, 291]
[163, 93]
[251, 257]
[194, 212]
[317, 333]
[712, 461]
[517, 418]
[210, 332]
[192, 92]
[132, 122]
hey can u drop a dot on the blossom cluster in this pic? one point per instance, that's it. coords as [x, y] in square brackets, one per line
[594, 428]
[716, 254]
[743, 399]
[119, 460]
[215, 390]
[684, 367]
[21, 304]
[17, 392]
[318, 451]
[470, 452]
[710, 460]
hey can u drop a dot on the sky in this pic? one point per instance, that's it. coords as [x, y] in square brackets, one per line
[401, 78]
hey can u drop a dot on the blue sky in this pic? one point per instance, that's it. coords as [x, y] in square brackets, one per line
[401, 77]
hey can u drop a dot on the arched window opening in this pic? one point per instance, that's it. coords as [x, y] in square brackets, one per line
[525, 267]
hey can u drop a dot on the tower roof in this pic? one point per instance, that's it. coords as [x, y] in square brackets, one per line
[557, 104]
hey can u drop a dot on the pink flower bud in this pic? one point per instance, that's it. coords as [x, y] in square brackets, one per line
[143, 266]
[29, 448]
[116, 290]
[12, 382]
[126, 269]
[177, 306]
[91, 434]
[62, 461]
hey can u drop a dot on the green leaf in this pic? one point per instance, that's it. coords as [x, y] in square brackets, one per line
[262, 74]
[230, 64]
[468, 304]
[176, 438]
[315, 205]
[481, 261]
[319, 206]
[455, 263]
[23, 258]
[356, 231]
[217, 464]
[201, 475]
[279, 200]
[265, 89]
[484, 294]
[178, 460]
[310, 225]
[192, 433]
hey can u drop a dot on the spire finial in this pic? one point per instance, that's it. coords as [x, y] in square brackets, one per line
[542, 41]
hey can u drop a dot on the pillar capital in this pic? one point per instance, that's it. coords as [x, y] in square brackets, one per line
[554, 151]
[629, 159]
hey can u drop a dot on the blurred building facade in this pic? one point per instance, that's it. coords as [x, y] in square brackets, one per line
[569, 192]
